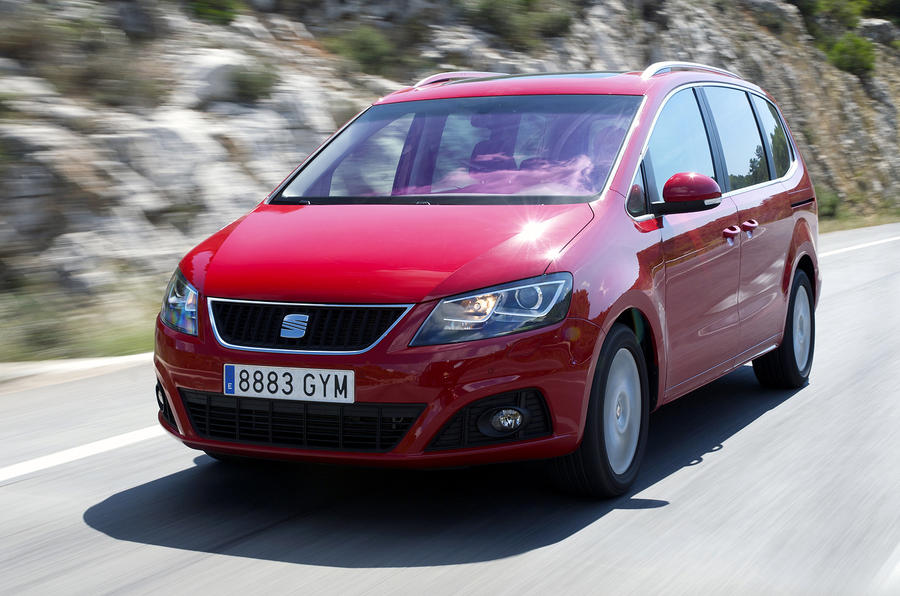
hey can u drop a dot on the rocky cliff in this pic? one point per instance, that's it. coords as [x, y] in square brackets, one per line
[130, 130]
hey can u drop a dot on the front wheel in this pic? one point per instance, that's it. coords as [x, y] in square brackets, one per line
[615, 433]
[788, 366]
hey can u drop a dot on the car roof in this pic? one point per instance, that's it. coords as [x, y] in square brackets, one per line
[656, 79]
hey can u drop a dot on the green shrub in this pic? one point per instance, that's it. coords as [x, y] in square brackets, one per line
[50, 323]
[845, 12]
[770, 21]
[523, 24]
[853, 54]
[253, 83]
[115, 74]
[807, 7]
[367, 46]
[829, 202]
[885, 9]
[552, 23]
[83, 57]
[220, 12]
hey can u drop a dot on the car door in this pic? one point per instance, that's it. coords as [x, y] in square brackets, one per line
[754, 163]
[701, 252]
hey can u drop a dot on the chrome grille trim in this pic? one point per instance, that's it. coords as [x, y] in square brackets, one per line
[212, 321]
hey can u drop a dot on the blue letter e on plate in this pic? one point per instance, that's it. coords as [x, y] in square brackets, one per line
[229, 379]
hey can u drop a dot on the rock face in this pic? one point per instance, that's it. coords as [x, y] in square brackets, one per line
[879, 30]
[94, 195]
[847, 128]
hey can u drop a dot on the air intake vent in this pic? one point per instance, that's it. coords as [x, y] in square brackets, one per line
[462, 430]
[303, 425]
[163, 404]
[259, 325]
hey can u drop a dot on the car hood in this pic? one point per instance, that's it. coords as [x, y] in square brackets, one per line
[384, 254]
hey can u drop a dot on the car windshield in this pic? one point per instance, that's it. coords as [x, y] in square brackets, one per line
[533, 148]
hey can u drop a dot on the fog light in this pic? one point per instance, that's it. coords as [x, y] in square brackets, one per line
[502, 421]
[160, 397]
[507, 420]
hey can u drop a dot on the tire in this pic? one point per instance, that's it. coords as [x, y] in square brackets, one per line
[612, 448]
[788, 366]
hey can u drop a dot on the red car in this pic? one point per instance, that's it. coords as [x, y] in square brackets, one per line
[484, 268]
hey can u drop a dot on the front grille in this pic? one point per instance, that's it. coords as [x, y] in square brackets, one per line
[462, 430]
[303, 425]
[329, 328]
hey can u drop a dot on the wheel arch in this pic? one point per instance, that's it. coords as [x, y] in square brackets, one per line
[805, 264]
[639, 323]
[802, 256]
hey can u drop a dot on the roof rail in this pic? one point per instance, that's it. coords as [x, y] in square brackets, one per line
[658, 67]
[459, 74]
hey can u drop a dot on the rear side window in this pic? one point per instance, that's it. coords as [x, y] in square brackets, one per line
[679, 142]
[773, 128]
[745, 158]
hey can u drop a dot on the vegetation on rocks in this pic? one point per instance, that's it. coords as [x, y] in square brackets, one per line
[220, 12]
[371, 49]
[853, 54]
[832, 23]
[82, 57]
[848, 12]
[253, 83]
[375, 52]
[523, 24]
[844, 12]
[131, 130]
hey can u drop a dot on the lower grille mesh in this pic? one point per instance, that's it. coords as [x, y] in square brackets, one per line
[306, 425]
[462, 430]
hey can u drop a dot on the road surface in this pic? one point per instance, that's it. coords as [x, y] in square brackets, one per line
[742, 491]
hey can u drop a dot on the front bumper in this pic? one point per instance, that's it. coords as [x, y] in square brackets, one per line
[556, 360]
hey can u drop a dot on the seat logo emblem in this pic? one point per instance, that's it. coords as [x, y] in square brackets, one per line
[294, 326]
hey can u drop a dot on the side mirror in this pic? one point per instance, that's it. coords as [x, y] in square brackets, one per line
[686, 192]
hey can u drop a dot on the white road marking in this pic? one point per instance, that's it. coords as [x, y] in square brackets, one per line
[887, 580]
[75, 453]
[859, 246]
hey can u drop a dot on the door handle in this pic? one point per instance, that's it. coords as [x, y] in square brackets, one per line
[731, 232]
[749, 225]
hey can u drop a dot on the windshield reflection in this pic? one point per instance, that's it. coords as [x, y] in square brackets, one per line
[558, 145]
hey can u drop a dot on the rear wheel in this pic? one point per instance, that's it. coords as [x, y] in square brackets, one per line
[615, 433]
[788, 366]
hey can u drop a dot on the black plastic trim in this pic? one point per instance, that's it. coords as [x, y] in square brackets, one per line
[358, 427]
[462, 430]
[803, 202]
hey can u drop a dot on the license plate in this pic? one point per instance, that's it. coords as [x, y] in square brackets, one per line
[301, 384]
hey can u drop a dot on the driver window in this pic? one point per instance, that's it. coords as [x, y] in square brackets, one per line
[679, 142]
[370, 168]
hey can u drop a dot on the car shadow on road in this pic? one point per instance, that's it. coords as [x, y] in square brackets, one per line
[349, 517]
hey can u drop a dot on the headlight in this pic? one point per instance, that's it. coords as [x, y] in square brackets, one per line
[499, 310]
[179, 309]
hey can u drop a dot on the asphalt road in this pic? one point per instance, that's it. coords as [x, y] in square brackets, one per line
[742, 491]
